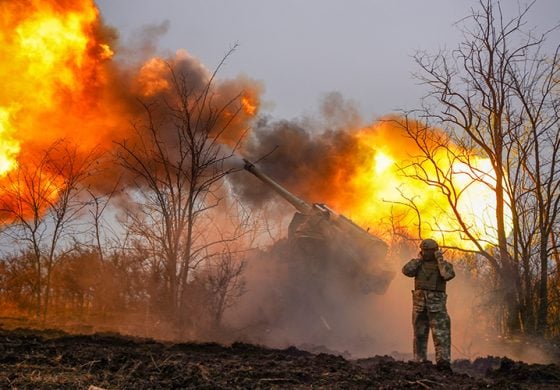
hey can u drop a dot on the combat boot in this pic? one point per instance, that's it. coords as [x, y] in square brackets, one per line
[444, 366]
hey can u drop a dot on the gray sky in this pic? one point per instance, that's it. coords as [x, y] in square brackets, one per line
[303, 49]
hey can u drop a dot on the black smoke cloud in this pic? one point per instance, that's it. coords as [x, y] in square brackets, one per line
[307, 156]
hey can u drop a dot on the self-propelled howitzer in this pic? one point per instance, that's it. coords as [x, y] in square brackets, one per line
[331, 241]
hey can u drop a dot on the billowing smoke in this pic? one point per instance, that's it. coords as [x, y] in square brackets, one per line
[306, 156]
[77, 83]
[308, 301]
[289, 304]
[78, 86]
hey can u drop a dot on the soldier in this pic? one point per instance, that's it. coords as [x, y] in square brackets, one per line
[430, 272]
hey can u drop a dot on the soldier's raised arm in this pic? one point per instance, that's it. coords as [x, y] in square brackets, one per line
[445, 268]
[411, 268]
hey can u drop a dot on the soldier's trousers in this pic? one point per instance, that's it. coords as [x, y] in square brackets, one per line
[430, 313]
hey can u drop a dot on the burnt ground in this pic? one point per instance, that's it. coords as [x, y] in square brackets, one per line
[49, 359]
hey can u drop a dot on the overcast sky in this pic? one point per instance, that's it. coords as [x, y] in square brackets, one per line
[303, 49]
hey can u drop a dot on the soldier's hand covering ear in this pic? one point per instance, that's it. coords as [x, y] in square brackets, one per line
[439, 255]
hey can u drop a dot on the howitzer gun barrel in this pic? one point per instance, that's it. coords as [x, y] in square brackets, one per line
[301, 205]
[317, 231]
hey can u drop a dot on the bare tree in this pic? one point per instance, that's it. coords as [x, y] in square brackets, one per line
[41, 202]
[535, 82]
[98, 205]
[496, 96]
[222, 283]
[177, 162]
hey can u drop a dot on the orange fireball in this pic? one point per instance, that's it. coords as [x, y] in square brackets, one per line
[382, 191]
[56, 86]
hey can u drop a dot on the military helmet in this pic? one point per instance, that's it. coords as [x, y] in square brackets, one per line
[428, 244]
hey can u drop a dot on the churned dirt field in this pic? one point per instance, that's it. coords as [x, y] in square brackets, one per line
[31, 359]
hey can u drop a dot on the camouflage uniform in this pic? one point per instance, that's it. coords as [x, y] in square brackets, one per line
[430, 272]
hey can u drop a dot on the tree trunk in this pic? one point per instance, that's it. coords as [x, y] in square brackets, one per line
[542, 322]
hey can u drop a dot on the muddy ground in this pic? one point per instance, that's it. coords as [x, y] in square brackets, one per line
[47, 359]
